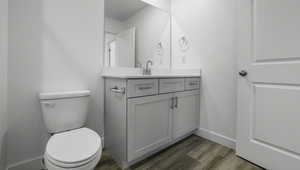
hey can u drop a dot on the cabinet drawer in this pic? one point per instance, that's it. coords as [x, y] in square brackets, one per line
[171, 85]
[192, 83]
[142, 87]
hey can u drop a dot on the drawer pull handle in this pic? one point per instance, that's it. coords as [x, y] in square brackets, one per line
[145, 88]
[118, 90]
[171, 82]
[193, 83]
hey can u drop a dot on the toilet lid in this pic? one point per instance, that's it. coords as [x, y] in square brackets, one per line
[73, 146]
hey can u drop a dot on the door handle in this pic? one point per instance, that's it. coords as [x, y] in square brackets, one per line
[243, 73]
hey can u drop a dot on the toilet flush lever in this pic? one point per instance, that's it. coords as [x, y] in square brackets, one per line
[49, 104]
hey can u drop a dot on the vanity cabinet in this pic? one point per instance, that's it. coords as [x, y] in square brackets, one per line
[149, 124]
[185, 113]
[143, 116]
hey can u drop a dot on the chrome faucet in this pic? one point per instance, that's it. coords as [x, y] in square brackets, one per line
[147, 70]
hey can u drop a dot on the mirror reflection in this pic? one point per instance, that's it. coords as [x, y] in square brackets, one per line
[137, 31]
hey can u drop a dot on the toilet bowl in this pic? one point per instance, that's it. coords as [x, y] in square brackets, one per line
[71, 146]
[78, 149]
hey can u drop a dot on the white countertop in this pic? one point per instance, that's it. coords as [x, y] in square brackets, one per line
[148, 76]
[136, 73]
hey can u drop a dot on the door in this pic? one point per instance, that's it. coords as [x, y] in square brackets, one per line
[186, 113]
[110, 49]
[148, 125]
[269, 87]
[125, 48]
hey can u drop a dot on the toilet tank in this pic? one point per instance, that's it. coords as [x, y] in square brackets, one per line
[63, 111]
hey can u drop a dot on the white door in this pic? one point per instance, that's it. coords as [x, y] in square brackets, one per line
[149, 124]
[110, 42]
[125, 48]
[268, 122]
[185, 114]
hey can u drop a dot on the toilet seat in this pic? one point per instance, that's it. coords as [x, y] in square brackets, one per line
[73, 148]
[73, 165]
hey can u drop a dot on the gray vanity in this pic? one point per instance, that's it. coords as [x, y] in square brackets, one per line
[148, 113]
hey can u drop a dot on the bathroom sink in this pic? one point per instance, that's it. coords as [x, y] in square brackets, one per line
[156, 73]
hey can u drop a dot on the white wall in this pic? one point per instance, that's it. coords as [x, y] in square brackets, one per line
[3, 67]
[54, 45]
[114, 26]
[152, 26]
[210, 27]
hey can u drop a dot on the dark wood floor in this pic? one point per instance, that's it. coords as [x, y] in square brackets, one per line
[193, 153]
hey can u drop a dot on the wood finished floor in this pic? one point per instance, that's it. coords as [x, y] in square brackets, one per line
[193, 153]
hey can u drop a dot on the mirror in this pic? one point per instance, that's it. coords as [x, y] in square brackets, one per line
[137, 31]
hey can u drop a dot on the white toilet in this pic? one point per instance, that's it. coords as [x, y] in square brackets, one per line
[72, 146]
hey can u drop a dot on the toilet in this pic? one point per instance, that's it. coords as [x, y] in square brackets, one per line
[71, 146]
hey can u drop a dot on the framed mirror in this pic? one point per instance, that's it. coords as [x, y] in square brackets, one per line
[137, 31]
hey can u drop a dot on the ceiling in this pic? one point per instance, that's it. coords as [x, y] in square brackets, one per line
[122, 9]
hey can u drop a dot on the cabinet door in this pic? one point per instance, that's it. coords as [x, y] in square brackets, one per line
[186, 112]
[149, 124]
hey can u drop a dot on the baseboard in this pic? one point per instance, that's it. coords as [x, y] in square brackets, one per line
[216, 137]
[30, 164]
